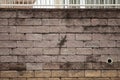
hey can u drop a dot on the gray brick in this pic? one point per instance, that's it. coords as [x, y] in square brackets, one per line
[113, 22]
[3, 21]
[84, 51]
[70, 37]
[34, 51]
[51, 51]
[4, 36]
[34, 66]
[57, 29]
[19, 51]
[30, 59]
[9, 44]
[34, 37]
[50, 37]
[8, 58]
[91, 44]
[83, 36]
[75, 44]
[107, 43]
[7, 14]
[25, 44]
[71, 58]
[25, 14]
[43, 59]
[4, 51]
[17, 37]
[95, 22]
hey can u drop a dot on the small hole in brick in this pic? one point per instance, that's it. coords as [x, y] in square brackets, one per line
[110, 61]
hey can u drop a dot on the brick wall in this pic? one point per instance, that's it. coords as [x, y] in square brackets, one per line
[60, 44]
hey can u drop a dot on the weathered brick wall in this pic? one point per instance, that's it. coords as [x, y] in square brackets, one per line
[60, 44]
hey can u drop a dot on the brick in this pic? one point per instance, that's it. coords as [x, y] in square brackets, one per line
[95, 22]
[41, 29]
[21, 59]
[51, 66]
[71, 58]
[114, 65]
[102, 78]
[57, 29]
[17, 79]
[99, 29]
[119, 73]
[93, 58]
[115, 37]
[52, 22]
[51, 51]
[7, 14]
[4, 79]
[25, 44]
[59, 73]
[3, 21]
[77, 21]
[9, 74]
[25, 14]
[35, 29]
[104, 58]
[115, 78]
[70, 37]
[113, 22]
[4, 36]
[84, 51]
[49, 44]
[72, 66]
[34, 66]
[76, 73]
[88, 65]
[118, 43]
[26, 74]
[4, 51]
[74, 29]
[75, 44]
[8, 44]
[106, 51]
[107, 43]
[91, 43]
[10, 29]
[34, 37]
[28, 22]
[68, 51]
[34, 51]
[17, 37]
[57, 15]
[8, 58]
[109, 73]
[17, 66]
[54, 78]
[42, 15]
[43, 59]
[83, 36]
[92, 73]
[101, 36]
[4, 66]
[70, 79]
[19, 51]
[25, 29]
[50, 37]
[43, 73]
[30, 59]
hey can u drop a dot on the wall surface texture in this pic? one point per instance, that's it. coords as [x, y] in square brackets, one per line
[60, 44]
